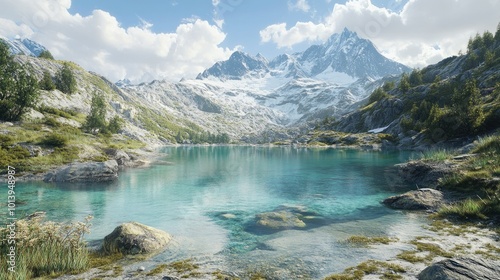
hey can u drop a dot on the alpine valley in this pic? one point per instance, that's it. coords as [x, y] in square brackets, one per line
[255, 211]
[249, 98]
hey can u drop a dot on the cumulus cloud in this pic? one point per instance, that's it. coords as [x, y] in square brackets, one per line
[423, 32]
[99, 43]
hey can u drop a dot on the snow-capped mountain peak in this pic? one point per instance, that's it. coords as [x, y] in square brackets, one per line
[237, 66]
[24, 46]
[344, 53]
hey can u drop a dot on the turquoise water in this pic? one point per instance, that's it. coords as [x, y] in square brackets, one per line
[208, 198]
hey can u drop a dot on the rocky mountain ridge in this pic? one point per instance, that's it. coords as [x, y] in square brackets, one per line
[448, 103]
[24, 46]
[250, 99]
[343, 55]
[247, 96]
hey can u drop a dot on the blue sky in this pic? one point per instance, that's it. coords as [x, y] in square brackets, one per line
[173, 39]
[243, 19]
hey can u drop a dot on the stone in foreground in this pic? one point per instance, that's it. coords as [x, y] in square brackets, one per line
[422, 199]
[135, 238]
[461, 268]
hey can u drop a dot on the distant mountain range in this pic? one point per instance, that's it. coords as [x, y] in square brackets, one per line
[343, 53]
[246, 96]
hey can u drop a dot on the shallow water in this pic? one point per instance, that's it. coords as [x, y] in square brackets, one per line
[192, 197]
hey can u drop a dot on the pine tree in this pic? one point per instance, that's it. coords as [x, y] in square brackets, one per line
[404, 83]
[497, 34]
[65, 80]
[415, 78]
[18, 89]
[488, 39]
[466, 107]
[96, 120]
[46, 83]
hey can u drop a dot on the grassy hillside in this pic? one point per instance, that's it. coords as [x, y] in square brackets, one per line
[52, 132]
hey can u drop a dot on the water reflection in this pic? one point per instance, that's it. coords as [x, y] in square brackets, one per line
[210, 196]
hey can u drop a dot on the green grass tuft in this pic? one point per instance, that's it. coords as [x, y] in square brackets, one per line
[46, 249]
[370, 267]
[365, 240]
[436, 155]
[469, 208]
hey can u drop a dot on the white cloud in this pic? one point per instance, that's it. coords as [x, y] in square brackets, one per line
[99, 43]
[423, 32]
[300, 5]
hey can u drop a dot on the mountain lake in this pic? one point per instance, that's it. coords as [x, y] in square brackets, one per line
[211, 199]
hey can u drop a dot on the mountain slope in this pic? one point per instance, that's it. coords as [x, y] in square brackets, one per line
[290, 90]
[453, 100]
[243, 97]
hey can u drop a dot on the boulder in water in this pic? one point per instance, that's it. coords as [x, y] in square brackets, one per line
[135, 238]
[422, 199]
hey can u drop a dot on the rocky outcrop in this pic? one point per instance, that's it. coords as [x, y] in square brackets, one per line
[135, 238]
[462, 268]
[424, 174]
[383, 114]
[85, 172]
[121, 157]
[422, 199]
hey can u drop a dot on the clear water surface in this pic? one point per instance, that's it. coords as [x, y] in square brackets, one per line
[208, 198]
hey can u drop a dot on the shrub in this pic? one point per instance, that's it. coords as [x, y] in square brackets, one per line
[55, 140]
[377, 95]
[52, 122]
[58, 112]
[489, 144]
[46, 55]
[115, 125]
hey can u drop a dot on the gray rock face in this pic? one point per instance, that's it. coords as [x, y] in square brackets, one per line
[424, 174]
[121, 157]
[423, 199]
[85, 172]
[135, 238]
[462, 268]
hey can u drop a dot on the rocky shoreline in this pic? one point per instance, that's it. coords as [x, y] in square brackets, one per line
[472, 248]
[94, 171]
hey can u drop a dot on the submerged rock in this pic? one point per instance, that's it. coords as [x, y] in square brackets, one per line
[135, 238]
[422, 199]
[85, 172]
[280, 220]
[462, 268]
[286, 217]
